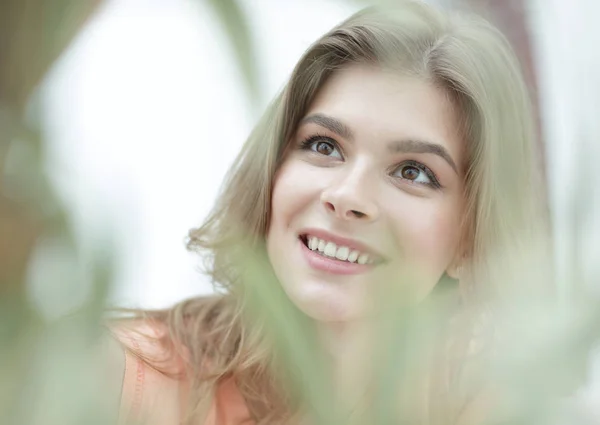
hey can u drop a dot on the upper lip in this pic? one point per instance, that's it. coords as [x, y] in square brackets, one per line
[342, 241]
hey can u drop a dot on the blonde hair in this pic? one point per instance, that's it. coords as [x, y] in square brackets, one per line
[463, 55]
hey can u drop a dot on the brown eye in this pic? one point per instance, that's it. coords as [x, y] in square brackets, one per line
[410, 173]
[414, 172]
[324, 148]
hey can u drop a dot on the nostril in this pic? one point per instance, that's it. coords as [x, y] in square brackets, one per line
[357, 214]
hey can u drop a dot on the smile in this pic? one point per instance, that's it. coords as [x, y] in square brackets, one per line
[332, 250]
[332, 254]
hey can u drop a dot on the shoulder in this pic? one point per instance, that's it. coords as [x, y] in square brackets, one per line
[150, 340]
[154, 379]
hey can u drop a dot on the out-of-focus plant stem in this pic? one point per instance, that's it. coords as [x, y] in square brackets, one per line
[237, 30]
[33, 34]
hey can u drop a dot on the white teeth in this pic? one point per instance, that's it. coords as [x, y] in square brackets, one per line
[353, 256]
[321, 246]
[342, 253]
[330, 249]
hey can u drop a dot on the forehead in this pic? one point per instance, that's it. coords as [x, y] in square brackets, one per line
[381, 105]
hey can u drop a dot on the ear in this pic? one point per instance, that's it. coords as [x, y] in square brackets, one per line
[454, 270]
[464, 248]
[456, 267]
[461, 258]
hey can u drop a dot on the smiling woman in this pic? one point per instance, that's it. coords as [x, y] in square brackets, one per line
[397, 160]
[371, 168]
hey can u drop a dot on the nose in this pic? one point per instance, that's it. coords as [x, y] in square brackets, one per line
[351, 197]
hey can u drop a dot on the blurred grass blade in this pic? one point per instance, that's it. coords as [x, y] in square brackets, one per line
[238, 32]
[41, 370]
[405, 335]
[33, 34]
[294, 338]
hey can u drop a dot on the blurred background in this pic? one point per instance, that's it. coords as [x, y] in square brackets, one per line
[143, 115]
[119, 119]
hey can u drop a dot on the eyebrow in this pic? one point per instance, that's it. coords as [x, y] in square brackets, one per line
[418, 146]
[332, 124]
[405, 146]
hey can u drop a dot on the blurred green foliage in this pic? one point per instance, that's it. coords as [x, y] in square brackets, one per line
[35, 358]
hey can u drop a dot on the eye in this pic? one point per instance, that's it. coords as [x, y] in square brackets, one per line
[323, 146]
[410, 172]
[415, 172]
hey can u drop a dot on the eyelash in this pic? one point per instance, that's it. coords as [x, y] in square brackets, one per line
[435, 184]
[307, 144]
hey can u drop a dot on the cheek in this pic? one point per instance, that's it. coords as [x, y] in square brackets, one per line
[427, 232]
[293, 193]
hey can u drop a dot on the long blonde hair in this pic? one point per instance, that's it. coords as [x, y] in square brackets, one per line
[475, 66]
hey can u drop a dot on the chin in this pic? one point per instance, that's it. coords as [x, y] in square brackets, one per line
[324, 314]
[324, 302]
[323, 297]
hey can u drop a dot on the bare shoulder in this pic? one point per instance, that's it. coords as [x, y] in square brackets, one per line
[153, 375]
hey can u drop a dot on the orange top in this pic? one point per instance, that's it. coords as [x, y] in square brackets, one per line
[152, 397]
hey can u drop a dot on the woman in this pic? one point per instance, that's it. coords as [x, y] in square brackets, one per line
[398, 157]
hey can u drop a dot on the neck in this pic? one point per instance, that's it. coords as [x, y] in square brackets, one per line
[348, 345]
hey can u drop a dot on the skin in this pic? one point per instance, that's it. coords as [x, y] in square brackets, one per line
[360, 178]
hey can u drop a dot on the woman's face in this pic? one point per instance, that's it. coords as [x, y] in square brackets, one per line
[371, 187]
